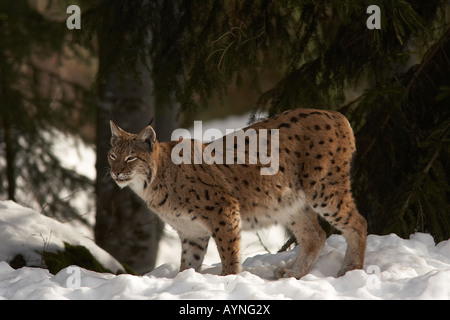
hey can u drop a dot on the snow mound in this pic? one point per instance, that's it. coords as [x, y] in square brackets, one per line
[27, 232]
[395, 268]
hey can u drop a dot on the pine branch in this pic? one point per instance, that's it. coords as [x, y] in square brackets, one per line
[425, 171]
[427, 58]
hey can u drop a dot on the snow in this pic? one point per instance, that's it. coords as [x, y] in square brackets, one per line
[395, 268]
[27, 232]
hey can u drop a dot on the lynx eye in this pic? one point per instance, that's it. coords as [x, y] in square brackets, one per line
[130, 158]
[113, 156]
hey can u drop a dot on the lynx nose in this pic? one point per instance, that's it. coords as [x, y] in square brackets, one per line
[116, 175]
[120, 175]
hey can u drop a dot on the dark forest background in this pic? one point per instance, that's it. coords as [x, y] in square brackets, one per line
[180, 60]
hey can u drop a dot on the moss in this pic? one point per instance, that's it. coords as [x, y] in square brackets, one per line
[73, 255]
[128, 269]
[18, 262]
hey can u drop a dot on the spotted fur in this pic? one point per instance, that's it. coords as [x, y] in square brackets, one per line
[220, 200]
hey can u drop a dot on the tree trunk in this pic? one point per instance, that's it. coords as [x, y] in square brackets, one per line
[124, 225]
[166, 122]
[10, 160]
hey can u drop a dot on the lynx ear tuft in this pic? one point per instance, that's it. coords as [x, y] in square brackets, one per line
[148, 136]
[116, 133]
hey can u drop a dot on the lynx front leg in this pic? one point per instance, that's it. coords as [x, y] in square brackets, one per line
[226, 233]
[192, 252]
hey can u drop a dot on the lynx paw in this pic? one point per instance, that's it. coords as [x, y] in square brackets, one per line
[345, 269]
[285, 272]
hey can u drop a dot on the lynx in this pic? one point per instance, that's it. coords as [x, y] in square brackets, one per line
[220, 200]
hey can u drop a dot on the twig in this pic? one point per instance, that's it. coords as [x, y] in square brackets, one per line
[223, 54]
[288, 243]
[262, 244]
[45, 247]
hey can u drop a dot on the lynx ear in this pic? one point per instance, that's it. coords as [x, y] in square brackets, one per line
[116, 133]
[148, 136]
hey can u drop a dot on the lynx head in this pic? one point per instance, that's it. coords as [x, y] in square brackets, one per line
[132, 156]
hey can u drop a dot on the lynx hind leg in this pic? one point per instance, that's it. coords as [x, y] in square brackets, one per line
[311, 237]
[193, 252]
[343, 215]
[354, 230]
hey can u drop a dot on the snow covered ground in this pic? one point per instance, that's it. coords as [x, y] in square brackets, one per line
[29, 233]
[395, 268]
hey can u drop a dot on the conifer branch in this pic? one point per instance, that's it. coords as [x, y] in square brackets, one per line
[428, 57]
